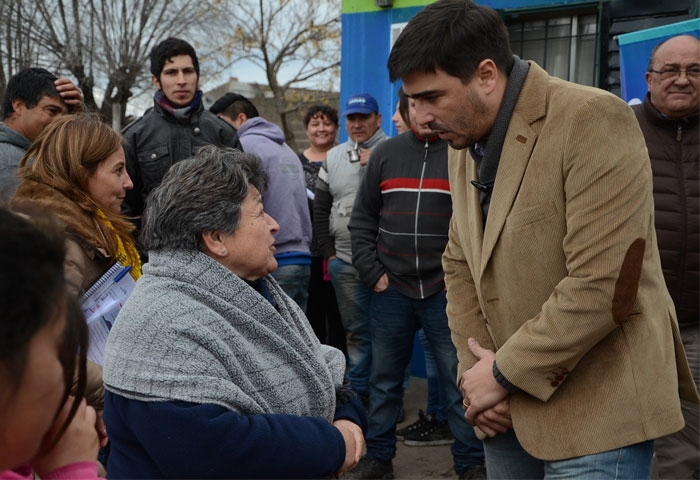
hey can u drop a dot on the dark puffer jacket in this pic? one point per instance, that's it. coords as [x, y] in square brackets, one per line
[674, 150]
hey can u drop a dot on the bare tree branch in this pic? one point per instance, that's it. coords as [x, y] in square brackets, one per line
[105, 44]
[299, 37]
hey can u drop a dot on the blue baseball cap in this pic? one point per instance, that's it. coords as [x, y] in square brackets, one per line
[363, 103]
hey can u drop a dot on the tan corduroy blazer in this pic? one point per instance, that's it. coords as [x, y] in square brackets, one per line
[565, 281]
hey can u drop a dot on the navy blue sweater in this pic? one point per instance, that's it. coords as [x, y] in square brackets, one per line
[188, 440]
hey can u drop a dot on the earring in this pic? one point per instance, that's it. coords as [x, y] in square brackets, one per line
[223, 251]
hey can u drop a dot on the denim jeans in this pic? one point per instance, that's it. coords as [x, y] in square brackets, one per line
[353, 298]
[437, 402]
[294, 280]
[395, 319]
[322, 308]
[506, 459]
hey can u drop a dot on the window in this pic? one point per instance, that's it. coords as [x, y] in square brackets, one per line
[396, 29]
[564, 46]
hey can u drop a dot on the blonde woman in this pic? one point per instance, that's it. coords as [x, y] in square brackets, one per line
[75, 169]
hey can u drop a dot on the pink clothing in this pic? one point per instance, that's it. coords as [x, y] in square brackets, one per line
[326, 277]
[72, 471]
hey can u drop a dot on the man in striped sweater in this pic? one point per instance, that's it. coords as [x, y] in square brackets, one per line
[399, 229]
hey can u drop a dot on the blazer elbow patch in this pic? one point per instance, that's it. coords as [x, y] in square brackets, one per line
[628, 281]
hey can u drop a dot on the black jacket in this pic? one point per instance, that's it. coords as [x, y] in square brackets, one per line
[157, 140]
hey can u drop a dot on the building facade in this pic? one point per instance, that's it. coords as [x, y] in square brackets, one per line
[572, 39]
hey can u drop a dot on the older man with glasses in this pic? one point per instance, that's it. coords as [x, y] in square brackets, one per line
[669, 120]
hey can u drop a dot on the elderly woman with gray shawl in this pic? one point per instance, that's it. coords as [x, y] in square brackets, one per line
[211, 371]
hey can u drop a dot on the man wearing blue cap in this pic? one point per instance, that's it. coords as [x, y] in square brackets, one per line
[336, 187]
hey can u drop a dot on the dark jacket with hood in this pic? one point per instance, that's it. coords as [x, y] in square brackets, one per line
[285, 198]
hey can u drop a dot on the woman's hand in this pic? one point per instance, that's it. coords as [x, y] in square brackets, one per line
[354, 444]
[78, 443]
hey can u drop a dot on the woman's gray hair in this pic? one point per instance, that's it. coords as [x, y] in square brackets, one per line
[199, 195]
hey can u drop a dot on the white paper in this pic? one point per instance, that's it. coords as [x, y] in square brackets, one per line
[101, 305]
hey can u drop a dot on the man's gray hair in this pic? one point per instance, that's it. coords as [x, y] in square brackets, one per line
[199, 195]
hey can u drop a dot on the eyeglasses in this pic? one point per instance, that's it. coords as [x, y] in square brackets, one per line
[673, 73]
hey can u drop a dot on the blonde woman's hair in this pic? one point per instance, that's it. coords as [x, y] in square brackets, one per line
[65, 154]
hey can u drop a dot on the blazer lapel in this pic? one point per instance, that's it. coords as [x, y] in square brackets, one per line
[517, 148]
[476, 217]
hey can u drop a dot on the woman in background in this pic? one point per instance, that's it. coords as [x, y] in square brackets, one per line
[401, 117]
[43, 430]
[321, 122]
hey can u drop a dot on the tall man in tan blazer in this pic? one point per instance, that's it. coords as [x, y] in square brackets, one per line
[570, 360]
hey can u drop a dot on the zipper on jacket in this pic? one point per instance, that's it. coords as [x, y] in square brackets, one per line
[678, 161]
[415, 222]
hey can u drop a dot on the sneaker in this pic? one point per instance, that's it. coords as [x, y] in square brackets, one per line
[474, 472]
[371, 468]
[422, 422]
[433, 434]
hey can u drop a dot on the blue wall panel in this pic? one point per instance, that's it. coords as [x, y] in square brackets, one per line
[364, 52]
[527, 4]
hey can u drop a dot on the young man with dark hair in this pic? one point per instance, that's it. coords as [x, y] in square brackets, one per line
[570, 360]
[177, 125]
[34, 97]
[163, 53]
[285, 199]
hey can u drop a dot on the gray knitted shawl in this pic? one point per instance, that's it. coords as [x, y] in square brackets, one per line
[195, 332]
